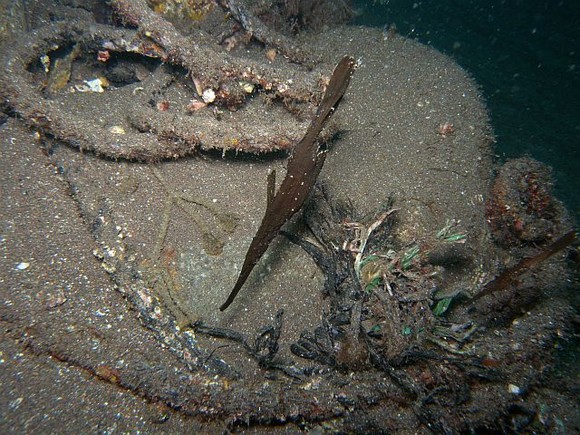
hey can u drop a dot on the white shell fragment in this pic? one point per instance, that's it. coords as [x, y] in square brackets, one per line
[94, 85]
[23, 266]
[208, 96]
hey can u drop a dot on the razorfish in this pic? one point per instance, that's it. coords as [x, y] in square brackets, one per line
[304, 165]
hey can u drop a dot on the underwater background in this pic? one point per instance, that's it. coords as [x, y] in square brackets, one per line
[525, 57]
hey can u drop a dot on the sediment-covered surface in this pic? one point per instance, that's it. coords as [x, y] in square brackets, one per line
[115, 264]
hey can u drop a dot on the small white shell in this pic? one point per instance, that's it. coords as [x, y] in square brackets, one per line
[208, 96]
[94, 85]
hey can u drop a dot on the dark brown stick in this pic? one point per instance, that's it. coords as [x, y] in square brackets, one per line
[508, 276]
[304, 166]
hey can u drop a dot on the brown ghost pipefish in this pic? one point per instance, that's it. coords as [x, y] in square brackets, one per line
[304, 165]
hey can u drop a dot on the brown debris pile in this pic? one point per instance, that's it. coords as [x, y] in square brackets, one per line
[522, 208]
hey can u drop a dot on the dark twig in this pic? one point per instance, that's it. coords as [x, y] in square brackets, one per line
[265, 345]
[507, 277]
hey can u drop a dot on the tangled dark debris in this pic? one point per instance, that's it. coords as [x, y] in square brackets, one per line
[264, 347]
[442, 365]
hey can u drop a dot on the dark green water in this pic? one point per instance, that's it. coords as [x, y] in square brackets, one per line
[525, 55]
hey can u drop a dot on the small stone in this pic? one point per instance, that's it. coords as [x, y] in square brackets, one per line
[514, 389]
[55, 300]
[195, 105]
[117, 129]
[163, 106]
[271, 54]
[103, 56]
[23, 266]
[247, 87]
[446, 129]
